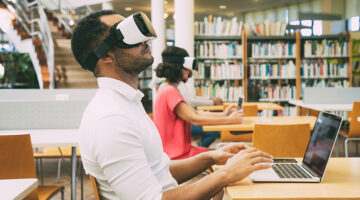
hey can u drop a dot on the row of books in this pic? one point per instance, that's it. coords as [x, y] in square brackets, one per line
[218, 26]
[325, 48]
[225, 92]
[273, 50]
[144, 83]
[266, 29]
[287, 111]
[218, 49]
[325, 83]
[263, 71]
[276, 92]
[147, 73]
[226, 69]
[323, 68]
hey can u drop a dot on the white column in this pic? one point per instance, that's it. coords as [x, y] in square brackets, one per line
[158, 45]
[184, 29]
[107, 5]
[184, 25]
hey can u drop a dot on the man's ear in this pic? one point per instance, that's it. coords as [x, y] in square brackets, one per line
[108, 58]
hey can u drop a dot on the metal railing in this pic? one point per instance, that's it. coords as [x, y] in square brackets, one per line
[32, 18]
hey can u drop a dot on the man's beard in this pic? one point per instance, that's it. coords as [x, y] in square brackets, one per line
[135, 66]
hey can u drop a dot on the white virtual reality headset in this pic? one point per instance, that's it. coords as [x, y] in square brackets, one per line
[128, 33]
[189, 63]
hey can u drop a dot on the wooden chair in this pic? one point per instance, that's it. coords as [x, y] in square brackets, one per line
[226, 136]
[17, 161]
[354, 130]
[94, 185]
[250, 110]
[282, 140]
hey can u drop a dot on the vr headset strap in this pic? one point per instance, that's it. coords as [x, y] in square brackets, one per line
[100, 51]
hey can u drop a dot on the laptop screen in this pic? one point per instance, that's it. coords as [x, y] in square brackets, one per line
[321, 142]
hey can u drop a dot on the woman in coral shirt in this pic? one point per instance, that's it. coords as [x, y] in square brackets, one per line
[172, 115]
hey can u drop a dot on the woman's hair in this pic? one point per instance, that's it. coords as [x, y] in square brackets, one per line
[171, 70]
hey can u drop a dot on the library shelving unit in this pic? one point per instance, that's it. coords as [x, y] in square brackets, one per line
[272, 67]
[220, 71]
[326, 62]
[143, 85]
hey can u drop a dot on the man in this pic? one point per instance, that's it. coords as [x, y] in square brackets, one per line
[119, 144]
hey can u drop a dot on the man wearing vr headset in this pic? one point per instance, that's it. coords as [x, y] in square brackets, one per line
[119, 144]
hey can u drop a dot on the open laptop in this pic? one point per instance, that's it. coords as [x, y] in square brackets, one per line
[316, 157]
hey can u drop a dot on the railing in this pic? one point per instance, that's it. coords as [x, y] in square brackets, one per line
[67, 13]
[36, 26]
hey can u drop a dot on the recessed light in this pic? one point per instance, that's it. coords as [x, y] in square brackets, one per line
[222, 6]
[128, 8]
[165, 2]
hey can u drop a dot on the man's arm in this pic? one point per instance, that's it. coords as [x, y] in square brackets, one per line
[237, 167]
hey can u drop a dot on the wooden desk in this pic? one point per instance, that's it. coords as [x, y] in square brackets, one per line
[54, 138]
[249, 122]
[341, 181]
[261, 106]
[323, 107]
[17, 188]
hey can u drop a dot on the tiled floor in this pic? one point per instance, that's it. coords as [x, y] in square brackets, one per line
[50, 169]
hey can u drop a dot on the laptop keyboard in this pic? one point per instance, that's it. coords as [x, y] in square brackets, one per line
[289, 171]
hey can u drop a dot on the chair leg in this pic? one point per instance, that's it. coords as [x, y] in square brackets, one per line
[41, 173]
[346, 148]
[62, 194]
[82, 179]
[58, 171]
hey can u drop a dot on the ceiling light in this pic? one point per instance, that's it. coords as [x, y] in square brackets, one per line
[222, 6]
[165, 2]
[71, 22]
[128, 8]
[165, 15]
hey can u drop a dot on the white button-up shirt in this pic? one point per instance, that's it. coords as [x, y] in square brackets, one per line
[120, 145]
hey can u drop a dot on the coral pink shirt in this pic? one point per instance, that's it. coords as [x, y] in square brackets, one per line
[175, 132]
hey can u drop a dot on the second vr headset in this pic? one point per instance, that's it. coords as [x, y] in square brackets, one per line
[188, 62]
[128, 33]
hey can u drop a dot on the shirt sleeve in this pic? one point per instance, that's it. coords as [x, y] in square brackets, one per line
[121, 156]
[173, 98]
[191, 98]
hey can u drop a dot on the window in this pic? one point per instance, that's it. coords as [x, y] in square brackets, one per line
[354, 23]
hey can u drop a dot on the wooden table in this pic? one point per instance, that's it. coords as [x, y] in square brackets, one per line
[17, 188]
[249, 122]
[54, 138]
[261, 106]
[341, 181]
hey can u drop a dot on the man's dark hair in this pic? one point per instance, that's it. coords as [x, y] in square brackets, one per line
[171, 71]
[88, 33]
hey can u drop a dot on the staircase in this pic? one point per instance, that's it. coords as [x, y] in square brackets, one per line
[68, 73]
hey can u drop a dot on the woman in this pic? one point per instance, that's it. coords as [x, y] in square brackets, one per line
[173, 116]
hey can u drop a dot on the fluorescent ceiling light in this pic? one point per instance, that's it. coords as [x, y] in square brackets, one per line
[128, 8]
[222, 6]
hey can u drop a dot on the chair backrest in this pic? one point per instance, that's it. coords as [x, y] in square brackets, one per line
[282, 140]
[226, 136]
[16, 158]
[354, 129]
[94, 185]
[250, 110]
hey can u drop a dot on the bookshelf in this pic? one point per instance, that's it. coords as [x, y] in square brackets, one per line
[326, 61]
[268, 68]
[144, 80]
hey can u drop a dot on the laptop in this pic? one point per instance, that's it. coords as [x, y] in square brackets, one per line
[316, 156]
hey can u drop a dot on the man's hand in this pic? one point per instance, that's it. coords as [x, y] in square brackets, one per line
[246, 162]
[217, 101]
[221, 155]
[236, 117]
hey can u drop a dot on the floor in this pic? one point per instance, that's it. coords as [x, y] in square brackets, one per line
[50, 169]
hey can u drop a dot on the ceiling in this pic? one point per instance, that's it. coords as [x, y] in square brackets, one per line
[202, 7]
